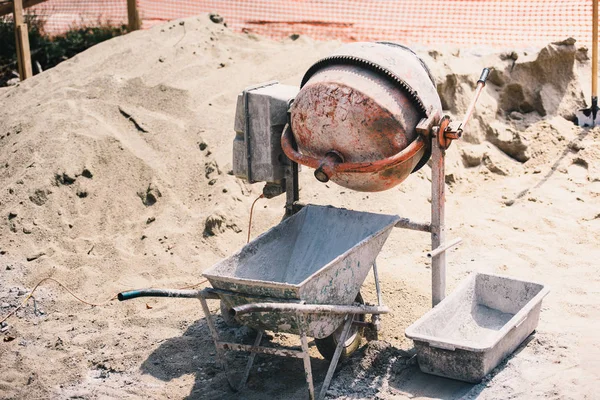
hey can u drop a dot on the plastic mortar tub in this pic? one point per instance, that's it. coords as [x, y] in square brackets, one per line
[481, 323]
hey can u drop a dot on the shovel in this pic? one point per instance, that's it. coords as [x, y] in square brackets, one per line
[590, 116]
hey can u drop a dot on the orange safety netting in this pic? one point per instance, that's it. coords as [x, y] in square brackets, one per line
[504, 23]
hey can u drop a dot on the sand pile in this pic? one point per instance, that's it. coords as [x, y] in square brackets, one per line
[126, 138]
[530, 96]
[130, 141]
[115, 174]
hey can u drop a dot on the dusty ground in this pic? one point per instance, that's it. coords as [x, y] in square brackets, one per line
[112, 162]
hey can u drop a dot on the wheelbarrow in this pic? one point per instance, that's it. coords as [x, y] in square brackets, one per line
[303, 277]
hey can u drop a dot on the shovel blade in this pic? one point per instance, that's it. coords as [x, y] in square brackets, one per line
[585, 118]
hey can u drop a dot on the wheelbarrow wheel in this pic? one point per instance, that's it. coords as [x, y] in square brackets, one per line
[226, 315]
[327, 345]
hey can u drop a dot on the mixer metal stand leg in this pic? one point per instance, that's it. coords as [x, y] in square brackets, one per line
[438, 200]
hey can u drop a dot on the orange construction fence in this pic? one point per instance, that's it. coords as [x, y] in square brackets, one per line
[499, 23]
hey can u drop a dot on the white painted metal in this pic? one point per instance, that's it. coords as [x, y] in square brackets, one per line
[438, 200]
[482, 322]
[443, 247]
[320, 255]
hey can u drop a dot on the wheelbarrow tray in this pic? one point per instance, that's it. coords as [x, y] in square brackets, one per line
[320, 255]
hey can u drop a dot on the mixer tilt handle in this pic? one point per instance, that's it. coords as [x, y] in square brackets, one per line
[327, 166]
[480, 85]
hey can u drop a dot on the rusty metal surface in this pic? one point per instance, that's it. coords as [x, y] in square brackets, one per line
[438, 212]
[363, 105]
[261, 114]
[413, 225]
[321, 255]
[320, 325]
[332, 165]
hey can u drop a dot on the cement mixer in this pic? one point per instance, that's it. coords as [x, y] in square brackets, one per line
[365, 117]
[355, 116]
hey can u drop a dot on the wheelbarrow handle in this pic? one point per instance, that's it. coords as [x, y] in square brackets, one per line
[189, 294]
[308, 308]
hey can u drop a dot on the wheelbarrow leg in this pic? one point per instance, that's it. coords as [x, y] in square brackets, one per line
[250, 361]
[336, 357]
[215, 335]
[213, 332]
[306, 357]
[376, 318]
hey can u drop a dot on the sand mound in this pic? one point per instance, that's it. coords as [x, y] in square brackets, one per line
[116, 174]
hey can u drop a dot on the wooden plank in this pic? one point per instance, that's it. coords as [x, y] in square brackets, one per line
[23, 52]
[18, 12]
[22, 41]
[133, 16]
[17, 9]
[7, 7]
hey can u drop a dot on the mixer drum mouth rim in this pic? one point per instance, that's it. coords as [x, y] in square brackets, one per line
[372, 57]
[332, 164]
[361, 61]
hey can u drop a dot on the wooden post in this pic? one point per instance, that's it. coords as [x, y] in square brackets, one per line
[133, 16]
[22, 41]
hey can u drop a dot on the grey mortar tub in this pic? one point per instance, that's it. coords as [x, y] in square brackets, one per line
[482, 322]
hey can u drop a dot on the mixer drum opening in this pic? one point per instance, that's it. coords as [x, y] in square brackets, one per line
[355, 116]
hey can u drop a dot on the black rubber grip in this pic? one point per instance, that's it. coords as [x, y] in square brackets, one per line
[484, 75]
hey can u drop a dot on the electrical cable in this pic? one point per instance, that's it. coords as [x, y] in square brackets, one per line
[30, 295]
[250, 219]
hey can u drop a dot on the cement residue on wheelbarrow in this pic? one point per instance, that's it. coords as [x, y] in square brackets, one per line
[321, 255]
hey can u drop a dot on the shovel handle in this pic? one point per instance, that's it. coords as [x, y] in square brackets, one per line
[595, 49]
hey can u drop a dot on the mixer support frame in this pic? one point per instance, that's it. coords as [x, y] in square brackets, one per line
[438, 214]
[440, 132]
[436, 228]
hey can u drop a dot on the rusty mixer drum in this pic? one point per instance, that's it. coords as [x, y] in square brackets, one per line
[355, 116]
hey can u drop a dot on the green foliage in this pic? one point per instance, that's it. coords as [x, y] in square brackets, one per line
[8, 55]
[47, 50]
